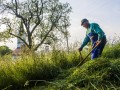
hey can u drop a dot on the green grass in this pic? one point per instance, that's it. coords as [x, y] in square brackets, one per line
[27, 70]
[57, 71]
[99, 74]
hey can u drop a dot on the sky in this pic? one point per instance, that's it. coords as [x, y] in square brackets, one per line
[104, 12]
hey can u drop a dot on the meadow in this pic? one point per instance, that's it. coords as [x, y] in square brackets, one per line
[56, 70]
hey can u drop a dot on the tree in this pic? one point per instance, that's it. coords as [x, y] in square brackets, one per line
[4, 50]
[40, 20]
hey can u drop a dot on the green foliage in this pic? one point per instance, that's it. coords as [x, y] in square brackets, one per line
[31, 69]
[4, 36]
[112, 51]
[4, 50]
[65, 60]
[41, 20]
[57, 70]
[99, 74]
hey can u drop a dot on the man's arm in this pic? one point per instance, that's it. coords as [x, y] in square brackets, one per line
[85, 42]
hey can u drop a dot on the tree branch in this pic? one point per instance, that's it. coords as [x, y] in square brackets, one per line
[38, 14]
[44, 37]
[53, 25]
[19, 38]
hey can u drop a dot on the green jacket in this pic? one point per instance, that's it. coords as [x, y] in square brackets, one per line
[94, 28]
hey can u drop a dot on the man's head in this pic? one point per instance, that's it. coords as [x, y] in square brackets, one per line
[85, 23]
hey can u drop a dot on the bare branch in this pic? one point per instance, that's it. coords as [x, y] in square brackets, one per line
[38, 18]
[53, 25]
[19, 38]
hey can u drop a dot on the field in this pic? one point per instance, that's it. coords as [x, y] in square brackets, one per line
[57, 70]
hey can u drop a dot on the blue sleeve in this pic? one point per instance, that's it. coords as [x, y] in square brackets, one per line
[86, 40]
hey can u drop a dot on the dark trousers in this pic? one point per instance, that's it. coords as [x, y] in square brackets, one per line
[98, 50]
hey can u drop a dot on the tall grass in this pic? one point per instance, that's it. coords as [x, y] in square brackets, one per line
[29, 69]
[52, 71]
[112, 51]
[99, 74]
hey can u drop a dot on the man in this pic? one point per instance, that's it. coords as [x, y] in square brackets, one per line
[94, 34]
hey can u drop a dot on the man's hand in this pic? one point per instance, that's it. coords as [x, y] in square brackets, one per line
[98, 42]
[80, 49]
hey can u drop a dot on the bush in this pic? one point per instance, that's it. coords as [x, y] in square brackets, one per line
[4, 50]
[112, 52]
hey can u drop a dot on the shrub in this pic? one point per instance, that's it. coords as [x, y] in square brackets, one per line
[4, 50]
[112, 52]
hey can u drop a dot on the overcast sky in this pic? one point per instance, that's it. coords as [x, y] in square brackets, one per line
[104, 12]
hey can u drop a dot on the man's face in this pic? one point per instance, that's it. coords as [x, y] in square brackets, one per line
[85, 25]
